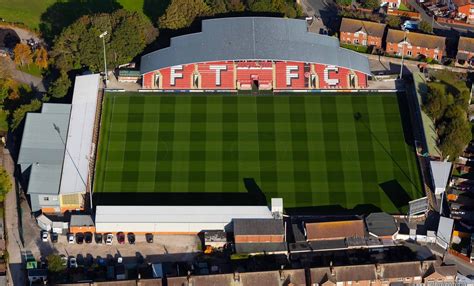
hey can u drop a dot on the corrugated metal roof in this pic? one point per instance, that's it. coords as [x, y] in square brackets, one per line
[254, 38]
[258, 227]
[41, 142]
[441, 172]
[44, 179]
[81, 220]
[179, 214]
[445, 230]
[79, 137]
[381, 224]
[56, 108]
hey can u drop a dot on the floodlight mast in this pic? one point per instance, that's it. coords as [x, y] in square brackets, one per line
[102, 36]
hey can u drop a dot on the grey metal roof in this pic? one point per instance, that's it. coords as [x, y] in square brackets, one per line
[381, 224]
[41, 142]
[56, 108]
[81, 220]
[445, 230]
[44, 179]
[254, 38]
[260, 247]
[441, 172]
[258, 227]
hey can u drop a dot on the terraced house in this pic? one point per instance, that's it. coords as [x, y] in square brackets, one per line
[364, 33]
[465, 53]
[415, 45]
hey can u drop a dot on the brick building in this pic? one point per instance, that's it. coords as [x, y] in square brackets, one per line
[465, 53]
[465, 9]
[364, 33]
[415, 45]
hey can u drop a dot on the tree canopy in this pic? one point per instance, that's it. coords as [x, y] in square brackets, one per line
[23, 54]
[41, 58]
[55, 263]
[5, 183]
[425, 27]
[79, 44]
[20, 112]
[181, 13]
[60, 86]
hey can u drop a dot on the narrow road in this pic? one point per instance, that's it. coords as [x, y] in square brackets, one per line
[16, 273]
[33, 81]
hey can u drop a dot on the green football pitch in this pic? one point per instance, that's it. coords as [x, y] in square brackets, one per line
[337, 150]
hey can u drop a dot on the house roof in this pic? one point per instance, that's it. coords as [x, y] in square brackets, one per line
[460, 3]
[401, 269]
[355, 25]
[320, 275]
[466, 44]
[254, 38]
[335, 229]
[417, 39]
[381, 224]
[320, 245]
[258, 227]
[211, 280]
[441, 171]
[260, 278]
[81, 220]
[355, 273]
[296, 277]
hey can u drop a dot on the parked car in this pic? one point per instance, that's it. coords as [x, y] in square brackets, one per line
[44, 236]
[121, 238]
[131, 238]
[149, 237]
[88, 237]
[79, 238]
[98, 238]
[72, 262]
[54, 237]
[109, 238]
[70, 238]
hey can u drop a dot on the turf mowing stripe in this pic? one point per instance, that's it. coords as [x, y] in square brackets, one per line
[213, 147]
[230, 137]
[370, 189]
[197, 148]
[164, 154]
[129, 171]
[349, 147]
[266, 144]
[299, 140]
[335, 175]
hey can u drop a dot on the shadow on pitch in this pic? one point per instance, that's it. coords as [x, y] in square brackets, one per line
[253, 196]
[396, 193]
[361, 209]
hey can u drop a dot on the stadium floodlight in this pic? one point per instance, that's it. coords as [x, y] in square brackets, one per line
[102, 36]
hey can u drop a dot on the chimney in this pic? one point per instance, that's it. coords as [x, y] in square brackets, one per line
[331, 268]
[282, 274]
[236, 276]
[425, 265]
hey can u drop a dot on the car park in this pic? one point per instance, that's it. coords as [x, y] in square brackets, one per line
[131, 238]
[121, 238]
[54, 237]
[149, 237]
[72, 262]
[79, 238]
[88, 237]
[44, 236]
[98, 238]
[70, 238]
[109, 238]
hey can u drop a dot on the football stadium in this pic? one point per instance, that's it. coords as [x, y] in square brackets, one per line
[245, 118]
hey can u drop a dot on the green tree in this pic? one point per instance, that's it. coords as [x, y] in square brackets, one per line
[425, 27]
[393, 21]
[275, 6]
[20, 113]
[181, 13]
[435, 102]
[79, 44]
[60, 86]
[344, 2]
[371, 4]
[55, 263]
[5, 183]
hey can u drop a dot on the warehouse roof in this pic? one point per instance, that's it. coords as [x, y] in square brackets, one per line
[381, 224]
[254, 38]
[79, 137]
[81, 220]
[335, 229]
[370, 28]
[163, 214]
[441, 172]
[417, 39]
[258, 227]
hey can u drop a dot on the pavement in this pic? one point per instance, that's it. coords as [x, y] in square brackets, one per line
[31, 80]
[16, 273]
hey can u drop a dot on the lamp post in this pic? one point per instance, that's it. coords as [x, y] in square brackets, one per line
[102, 36]
[403, 52]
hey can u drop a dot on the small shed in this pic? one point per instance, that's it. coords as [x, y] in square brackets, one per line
[128, 75]
[215, 238]
[44, 222]
[81, 223]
